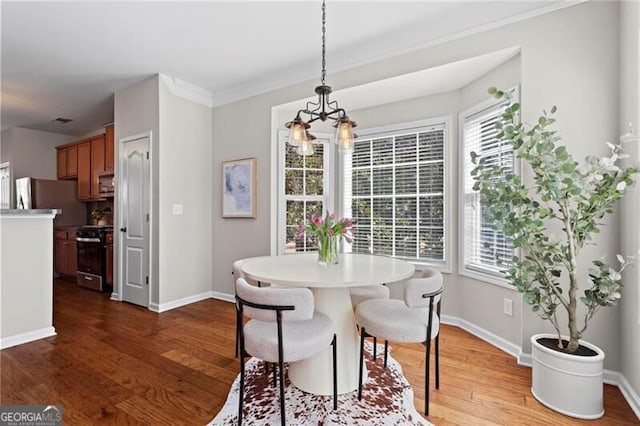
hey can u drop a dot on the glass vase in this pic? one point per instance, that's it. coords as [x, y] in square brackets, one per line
[327, 249]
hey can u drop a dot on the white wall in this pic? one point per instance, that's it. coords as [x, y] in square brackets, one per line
[240, 130]
[185, 178]
[26, 287]
[630, 228]
[577, 70]
[136, 111]
[32, 153]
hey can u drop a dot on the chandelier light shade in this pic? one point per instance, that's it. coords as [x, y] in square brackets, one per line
[323, 109]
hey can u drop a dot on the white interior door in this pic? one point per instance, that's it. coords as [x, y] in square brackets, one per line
[134, 220]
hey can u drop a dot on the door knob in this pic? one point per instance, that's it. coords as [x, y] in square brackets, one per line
[123, 229]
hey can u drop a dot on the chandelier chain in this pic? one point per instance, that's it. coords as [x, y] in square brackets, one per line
[324, 62]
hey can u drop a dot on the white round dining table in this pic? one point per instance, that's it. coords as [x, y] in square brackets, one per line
[330, 287]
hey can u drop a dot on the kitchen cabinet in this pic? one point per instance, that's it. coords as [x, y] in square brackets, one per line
[97, 164]
[67, 162]
[91, 162]
[84, 170]
[108, 148]
[109, 259]
[66, 252]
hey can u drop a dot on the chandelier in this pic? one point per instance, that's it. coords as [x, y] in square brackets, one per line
[323, 109]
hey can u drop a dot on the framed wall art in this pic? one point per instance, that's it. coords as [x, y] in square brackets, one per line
[239, 188]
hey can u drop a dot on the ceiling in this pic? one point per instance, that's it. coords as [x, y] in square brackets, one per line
[66, 59]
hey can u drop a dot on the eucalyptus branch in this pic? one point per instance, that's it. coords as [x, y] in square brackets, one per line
[549, 284]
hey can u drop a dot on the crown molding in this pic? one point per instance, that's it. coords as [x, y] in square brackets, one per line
[375, 53]
[191, 92]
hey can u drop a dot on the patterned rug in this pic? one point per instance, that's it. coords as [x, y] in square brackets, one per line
[387, 399]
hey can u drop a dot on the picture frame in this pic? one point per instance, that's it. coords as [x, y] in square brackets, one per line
[239, 188]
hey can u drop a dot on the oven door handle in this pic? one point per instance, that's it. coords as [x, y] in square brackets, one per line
[88, 240]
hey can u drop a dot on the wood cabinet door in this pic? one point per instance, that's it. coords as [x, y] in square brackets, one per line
[109, 149]
[61, 156]
[72, 161]
[72, 255]
[60, 258]
[109, 264]
[97, 164]
[84, 171]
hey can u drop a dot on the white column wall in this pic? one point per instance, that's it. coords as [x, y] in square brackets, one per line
[630, 226]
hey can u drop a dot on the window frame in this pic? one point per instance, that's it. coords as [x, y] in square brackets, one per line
[328, 183]
[477, 273]
[415, 126]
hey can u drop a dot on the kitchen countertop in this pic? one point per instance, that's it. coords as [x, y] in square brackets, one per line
[28, 212]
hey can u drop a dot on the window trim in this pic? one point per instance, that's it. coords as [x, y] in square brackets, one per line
[463, 269]
[392, 129]
[328, 184]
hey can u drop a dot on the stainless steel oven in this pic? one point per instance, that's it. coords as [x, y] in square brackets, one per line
[92, 270]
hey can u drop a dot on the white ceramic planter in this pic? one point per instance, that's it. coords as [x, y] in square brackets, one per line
[568, 384]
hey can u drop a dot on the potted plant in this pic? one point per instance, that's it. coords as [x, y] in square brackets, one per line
[99, 213]
[549, 223]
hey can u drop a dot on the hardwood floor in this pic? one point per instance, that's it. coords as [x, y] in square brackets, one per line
[115, 363]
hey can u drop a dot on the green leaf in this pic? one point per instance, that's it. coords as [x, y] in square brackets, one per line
[568, 167]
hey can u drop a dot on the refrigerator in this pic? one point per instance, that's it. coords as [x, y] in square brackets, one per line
[32, 193]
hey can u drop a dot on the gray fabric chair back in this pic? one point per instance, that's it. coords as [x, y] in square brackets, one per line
[430, 281]
[300, 298]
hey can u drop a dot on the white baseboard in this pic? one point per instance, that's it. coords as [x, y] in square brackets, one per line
[616, 378]
[163, 307]
[223, 296]
[487, 336]
[609, 376]
[30, 336]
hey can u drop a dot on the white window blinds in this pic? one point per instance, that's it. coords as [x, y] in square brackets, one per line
[485, 250]
[394, 188]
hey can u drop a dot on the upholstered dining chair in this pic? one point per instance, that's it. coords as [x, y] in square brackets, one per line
[237, 273]
[283, 328]
[416, 319]
[367, 292]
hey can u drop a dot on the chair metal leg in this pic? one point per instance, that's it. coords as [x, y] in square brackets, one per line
[237, 339]
[438, 361]
[281, 367]
[240, 401]
[375, 348]
[281, 373]
[335, 372]
[362, 334]
[426, 377]
[386, 352]
[275, 380]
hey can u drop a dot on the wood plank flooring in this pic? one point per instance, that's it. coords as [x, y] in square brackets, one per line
[116, 363]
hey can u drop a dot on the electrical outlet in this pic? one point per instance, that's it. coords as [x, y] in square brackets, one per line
[508, 307]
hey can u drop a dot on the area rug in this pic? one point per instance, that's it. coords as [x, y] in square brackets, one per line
[387, 399]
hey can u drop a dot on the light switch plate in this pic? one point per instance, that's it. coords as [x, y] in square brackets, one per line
[177, 209]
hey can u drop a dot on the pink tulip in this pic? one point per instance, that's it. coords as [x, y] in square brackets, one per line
[349, 240]
[317, 220]
[333, 216]
[330, 232]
